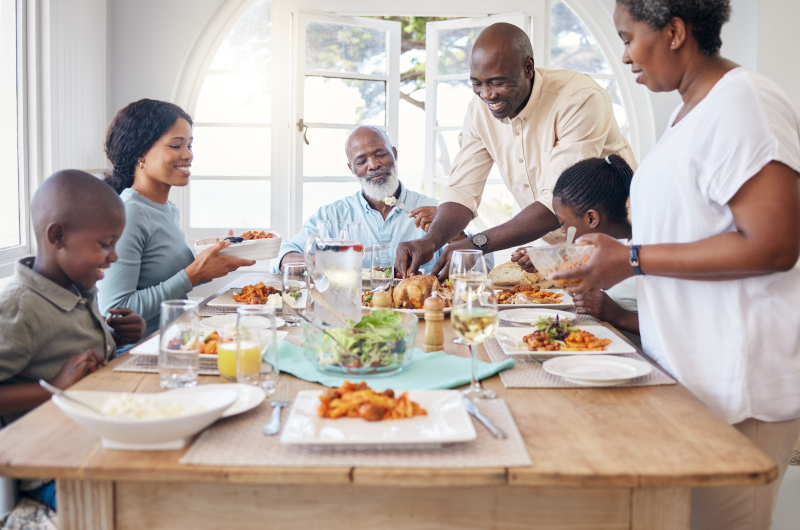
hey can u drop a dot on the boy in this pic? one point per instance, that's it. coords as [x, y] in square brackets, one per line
[50, 327]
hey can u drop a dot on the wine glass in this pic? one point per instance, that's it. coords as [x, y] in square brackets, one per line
[467, 264]
[474, 319]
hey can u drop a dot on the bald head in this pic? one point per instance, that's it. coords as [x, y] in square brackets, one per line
[501, 69]
[74, 199]
[366, 134]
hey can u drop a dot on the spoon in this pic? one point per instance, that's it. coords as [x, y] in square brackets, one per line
[571, 234]
[60, 393]
[318, 297]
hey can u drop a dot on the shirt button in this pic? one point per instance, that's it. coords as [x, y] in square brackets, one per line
[527, 185]
[520, 160]
[517, 133]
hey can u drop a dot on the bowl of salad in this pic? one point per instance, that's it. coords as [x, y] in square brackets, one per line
[380, 343]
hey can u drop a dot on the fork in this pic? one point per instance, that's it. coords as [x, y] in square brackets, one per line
[280, 400]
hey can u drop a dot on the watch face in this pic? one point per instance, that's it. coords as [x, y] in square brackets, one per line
[480, 240]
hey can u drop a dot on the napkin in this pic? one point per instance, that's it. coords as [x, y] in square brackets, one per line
[426, 371]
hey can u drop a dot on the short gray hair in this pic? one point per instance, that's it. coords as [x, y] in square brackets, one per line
[370, 127]
[704, 17]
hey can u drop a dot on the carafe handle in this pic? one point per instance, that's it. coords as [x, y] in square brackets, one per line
[321, 281]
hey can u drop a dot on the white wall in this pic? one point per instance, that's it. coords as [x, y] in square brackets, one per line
[149, 41]
[779, 45]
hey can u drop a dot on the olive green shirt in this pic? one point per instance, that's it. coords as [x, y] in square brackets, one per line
[42, 325]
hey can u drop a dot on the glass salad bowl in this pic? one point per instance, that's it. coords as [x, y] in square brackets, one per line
[381, 343]
[548, 260]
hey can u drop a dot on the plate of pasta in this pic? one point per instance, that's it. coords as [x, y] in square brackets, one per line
[334, 418]
[560, 337]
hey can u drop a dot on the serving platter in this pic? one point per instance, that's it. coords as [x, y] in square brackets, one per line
[222, 321]
[447, 422]
[597, 370]
[226, 301]
[510, 340]
[566, 301]
[256, 249]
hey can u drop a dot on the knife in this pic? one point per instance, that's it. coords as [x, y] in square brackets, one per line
[473, 410]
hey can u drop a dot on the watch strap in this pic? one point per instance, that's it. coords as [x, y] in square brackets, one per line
[635, 260]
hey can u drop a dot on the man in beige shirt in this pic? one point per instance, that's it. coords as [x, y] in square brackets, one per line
[533, 123]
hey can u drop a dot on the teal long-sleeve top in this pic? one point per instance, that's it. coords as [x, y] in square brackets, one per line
[152, 257]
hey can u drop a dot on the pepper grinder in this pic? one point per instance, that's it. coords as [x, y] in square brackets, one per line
[381, 301]
[434, 315]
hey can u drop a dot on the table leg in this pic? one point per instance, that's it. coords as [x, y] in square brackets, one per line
[660, 508]
[85, 504]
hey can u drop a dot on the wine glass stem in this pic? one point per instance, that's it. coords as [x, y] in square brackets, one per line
[474, 349]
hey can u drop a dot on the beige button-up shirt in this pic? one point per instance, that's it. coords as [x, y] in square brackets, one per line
[568, 118]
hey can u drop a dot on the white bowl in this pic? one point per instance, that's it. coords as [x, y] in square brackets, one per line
[149, 435]
[258, 249]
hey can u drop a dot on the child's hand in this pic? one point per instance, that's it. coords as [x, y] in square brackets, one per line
[128, 327]
[597, 304]
[76, 368]
[520, 256]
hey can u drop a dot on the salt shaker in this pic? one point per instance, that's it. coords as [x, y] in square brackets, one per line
[434, 315]
[381, 301]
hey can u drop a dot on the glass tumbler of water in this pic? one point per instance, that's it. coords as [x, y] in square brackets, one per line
[257, 348]
[295, 292]
[179, 344]
[382, 273]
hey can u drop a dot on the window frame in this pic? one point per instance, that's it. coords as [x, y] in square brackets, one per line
[9, 255]
[391, 78]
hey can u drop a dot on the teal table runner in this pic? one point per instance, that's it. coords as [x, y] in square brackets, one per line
[426, 371]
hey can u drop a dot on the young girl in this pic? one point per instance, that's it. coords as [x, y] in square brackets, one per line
[592, 196]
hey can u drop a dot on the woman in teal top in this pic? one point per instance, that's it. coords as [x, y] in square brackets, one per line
[150, 144]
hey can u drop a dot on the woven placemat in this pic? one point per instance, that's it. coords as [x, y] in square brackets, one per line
[528, 372]
[238, 441]
[148, 364]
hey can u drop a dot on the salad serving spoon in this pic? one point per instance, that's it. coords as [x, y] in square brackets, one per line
[319, 298]
[314, 324]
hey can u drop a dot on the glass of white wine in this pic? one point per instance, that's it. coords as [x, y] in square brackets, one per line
[474, 319]
[467, 264]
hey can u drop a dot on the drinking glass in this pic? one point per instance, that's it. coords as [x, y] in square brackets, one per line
[467, 264]
[474, 319]
[381, 260]
[179, 344]
[295, 291]
[257, 348]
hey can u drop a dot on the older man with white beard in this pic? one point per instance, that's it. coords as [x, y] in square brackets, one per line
[372, 158]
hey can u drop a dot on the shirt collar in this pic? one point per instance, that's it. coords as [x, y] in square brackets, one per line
[365, 205]
[536, 91]
[48, 289]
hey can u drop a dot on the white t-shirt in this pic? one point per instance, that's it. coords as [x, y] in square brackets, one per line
[735, 344]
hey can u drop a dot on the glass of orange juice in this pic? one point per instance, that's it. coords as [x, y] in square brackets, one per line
[251, 355]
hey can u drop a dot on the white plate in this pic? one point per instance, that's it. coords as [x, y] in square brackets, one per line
[530, 316]
[225, 300]
[566, 301]
[597, 370]
[421, 312]
[258, 249]
[222, 321]
[150, 346]
[510, 340]
[249, 396]
[447, 422]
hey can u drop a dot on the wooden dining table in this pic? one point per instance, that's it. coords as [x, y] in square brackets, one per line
[603, 458]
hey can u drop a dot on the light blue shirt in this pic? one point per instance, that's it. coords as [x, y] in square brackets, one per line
[152, 255]
[396, 229]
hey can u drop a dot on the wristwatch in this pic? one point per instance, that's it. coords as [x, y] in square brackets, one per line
[480, 241]
[635, 260]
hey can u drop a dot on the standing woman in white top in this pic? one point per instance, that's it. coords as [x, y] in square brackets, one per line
[716, 233]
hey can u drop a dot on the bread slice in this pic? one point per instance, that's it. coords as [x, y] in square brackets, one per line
[507, 274]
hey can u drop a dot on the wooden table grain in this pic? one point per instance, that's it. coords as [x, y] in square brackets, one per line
[611, 458]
